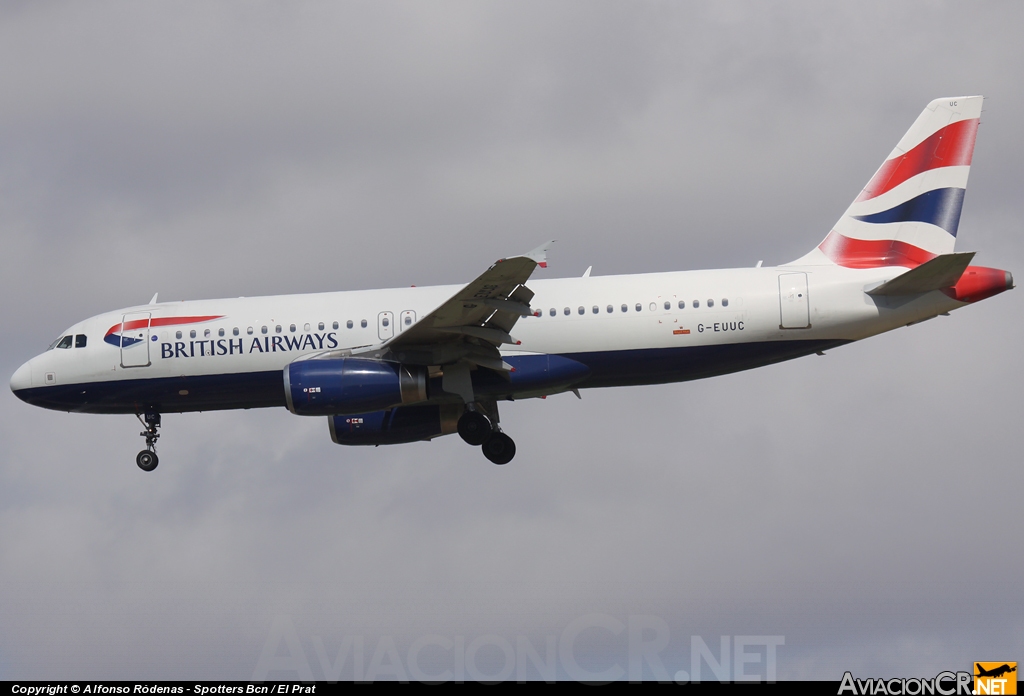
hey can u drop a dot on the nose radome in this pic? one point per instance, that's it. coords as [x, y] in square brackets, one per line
[22, 378]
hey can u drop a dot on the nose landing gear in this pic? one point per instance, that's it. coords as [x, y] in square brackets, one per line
[147, 459]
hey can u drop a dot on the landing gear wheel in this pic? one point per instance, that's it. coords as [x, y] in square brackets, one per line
[499, 448]
[474, 428]
[147, 460]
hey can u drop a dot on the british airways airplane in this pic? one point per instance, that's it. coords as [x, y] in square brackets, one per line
[410, 364]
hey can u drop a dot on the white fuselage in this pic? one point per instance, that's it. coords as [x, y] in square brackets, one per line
[618, 320]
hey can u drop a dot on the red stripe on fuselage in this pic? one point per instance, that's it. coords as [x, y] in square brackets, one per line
[160, 321]
[952, 146]
[872, 253]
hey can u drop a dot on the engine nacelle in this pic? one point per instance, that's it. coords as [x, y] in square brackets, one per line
[397, 425]
[351, 385]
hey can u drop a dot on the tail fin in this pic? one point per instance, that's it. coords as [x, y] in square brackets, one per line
[910, 209]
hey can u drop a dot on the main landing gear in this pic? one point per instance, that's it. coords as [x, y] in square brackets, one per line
[476, 429]
[147, 459]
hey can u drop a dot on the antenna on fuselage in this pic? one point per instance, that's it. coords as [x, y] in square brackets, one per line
[153, 301]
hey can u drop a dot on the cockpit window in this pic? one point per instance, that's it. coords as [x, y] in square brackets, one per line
[79, 340]
[64, 342]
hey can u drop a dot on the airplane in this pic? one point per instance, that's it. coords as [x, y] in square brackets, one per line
[996, 672]
[410, 364]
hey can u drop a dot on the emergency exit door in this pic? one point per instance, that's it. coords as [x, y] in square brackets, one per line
[385, 325]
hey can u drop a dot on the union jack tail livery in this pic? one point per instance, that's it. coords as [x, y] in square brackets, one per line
[908, 213]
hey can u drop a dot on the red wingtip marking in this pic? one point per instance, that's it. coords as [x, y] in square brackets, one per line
[543, 264]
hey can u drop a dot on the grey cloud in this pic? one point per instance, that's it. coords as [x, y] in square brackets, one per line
[207, 150]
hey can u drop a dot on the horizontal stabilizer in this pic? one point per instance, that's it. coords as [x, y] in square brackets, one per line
[941, 272]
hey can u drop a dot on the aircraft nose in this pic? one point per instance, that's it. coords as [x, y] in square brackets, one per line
[21, 379]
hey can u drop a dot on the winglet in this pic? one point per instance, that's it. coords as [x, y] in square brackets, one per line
[153, 301]
[540, 254]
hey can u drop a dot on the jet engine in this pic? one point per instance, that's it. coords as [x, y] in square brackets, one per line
[351, 385]
[396, 425]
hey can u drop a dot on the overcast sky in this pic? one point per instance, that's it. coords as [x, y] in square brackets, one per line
[864, 505]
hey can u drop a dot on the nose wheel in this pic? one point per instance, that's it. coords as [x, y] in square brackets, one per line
[147, 459]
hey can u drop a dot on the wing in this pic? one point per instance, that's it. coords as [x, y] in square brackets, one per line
[475, 321]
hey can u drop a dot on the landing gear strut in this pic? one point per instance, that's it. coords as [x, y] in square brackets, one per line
[477, 427]
[147, 459]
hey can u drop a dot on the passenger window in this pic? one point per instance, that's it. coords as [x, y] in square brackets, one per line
[206, 334]
[610, 309]
[277, 329]
[639, 307]
[596, 310]
[192, 333]
[249, 331]
[625, 308]
[220, 332]
[292, 328]
[385, 322]
[263, 329]
[80, 341]
[581, 310]
[654, 306]
[320, 326]
[711, 303]
[234, 331]
[335, 325]
[408, 319]
[552, 312]
[348, 323]
[306, 328]
[682, 304]
[363, 323]
[64, 342]
[565, 311]
[177, 334]
[668, 305]
[725, 302]
[696, 304]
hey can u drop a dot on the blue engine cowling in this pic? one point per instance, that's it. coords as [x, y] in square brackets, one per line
[396, 425]
[351, 385]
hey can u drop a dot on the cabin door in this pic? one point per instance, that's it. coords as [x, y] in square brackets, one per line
[794, 309]
[135, 339]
